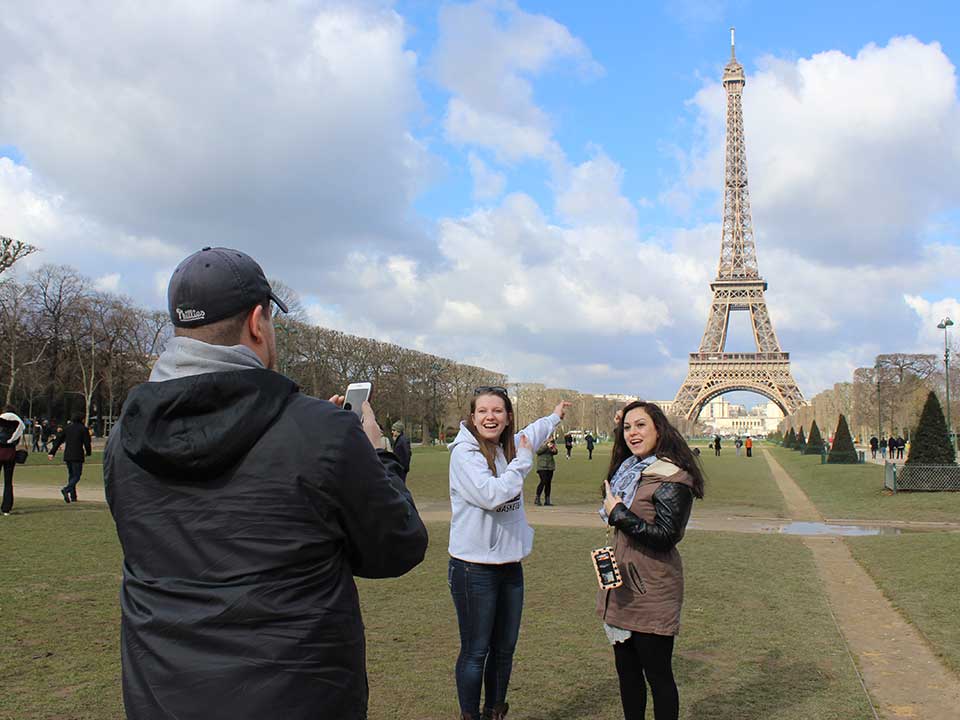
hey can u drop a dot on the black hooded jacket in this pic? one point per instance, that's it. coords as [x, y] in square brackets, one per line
[244, 509]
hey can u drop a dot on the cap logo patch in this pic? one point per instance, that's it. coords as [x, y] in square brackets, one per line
[190, 315]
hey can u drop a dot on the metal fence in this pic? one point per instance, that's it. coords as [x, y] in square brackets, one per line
[931, 478]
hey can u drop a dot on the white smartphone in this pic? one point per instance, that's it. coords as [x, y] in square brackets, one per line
[357, 394]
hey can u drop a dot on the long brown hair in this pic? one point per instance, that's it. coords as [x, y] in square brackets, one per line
[506, 441]
[670, 445]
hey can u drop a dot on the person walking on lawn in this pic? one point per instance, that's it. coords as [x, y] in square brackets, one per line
[568, 443]
[748, 444]
[546, 465]
[591, 442]
[245, 509]
[76, 439]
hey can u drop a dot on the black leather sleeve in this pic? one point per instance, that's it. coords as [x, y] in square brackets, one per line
[672, 503]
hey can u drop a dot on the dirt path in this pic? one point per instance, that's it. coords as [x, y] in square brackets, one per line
[86, 492]
[903, 677]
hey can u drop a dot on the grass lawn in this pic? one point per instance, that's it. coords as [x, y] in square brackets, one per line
[757, 642]
[735, 485]
[38, 470]
[918, 573]
[856, 491]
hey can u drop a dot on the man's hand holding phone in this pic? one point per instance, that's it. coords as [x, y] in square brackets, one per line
[356, 400]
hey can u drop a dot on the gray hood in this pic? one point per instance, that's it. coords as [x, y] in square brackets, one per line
[464, 437]
[185, 356]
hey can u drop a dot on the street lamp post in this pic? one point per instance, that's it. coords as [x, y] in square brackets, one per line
[943, 325]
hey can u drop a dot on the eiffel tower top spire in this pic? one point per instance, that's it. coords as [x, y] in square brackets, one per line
[738, 254]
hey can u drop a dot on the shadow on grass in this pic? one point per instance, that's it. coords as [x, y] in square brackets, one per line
[779, 685]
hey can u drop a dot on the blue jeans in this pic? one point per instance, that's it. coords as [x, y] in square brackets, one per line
[489, 602]
[74, 470]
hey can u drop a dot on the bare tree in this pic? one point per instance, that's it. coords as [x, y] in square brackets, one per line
[12, 250]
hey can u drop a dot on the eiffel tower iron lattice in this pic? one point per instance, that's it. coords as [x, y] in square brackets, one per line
[738, 287]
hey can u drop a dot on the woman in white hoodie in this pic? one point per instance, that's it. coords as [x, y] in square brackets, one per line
[489, 536]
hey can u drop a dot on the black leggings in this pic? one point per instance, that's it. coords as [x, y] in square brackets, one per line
[546, 480]
[647, 655]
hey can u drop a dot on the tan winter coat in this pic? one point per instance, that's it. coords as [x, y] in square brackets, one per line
[651, 596]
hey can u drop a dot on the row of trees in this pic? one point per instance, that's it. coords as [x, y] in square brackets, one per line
[930, 446]
[886, 398]
[840, 450]
[67, 348]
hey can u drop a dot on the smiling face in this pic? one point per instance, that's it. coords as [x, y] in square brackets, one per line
[639, 433]
[490, 417]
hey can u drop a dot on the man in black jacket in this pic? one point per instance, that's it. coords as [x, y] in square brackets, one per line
[245, 509]
[401, 446]
[76, 439]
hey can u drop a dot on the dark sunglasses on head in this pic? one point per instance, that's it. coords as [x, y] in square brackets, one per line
[490, 390]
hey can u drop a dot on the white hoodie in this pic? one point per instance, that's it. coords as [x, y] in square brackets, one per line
[489, 524]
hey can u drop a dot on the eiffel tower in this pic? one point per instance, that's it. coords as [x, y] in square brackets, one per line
[738, 287]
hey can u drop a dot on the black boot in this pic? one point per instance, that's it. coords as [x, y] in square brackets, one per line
[547, 502]
[537, 501]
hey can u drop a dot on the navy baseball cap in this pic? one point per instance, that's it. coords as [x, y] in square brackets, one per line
[214, 284]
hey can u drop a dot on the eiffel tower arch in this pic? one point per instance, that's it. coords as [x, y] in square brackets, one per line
[738, 288]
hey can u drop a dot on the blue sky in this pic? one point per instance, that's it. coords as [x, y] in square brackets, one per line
[529, 186]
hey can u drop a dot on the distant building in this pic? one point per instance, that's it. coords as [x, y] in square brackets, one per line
[730, 419]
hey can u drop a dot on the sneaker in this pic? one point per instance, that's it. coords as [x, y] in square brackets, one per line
[66, 496]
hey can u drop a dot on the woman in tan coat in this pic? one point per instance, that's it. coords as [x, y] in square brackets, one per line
[648, 494]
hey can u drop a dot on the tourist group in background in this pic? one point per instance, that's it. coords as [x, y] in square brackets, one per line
[892, 448]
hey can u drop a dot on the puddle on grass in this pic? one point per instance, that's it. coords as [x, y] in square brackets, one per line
[819, 528]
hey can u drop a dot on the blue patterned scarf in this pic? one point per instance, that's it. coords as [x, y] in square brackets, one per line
[627, 478]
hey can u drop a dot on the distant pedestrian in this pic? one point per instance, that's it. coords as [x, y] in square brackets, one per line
[749, 445]
[401, 446]
[568, 444]
[546, 465]
[873, 446]
[11, 436]
[716, 445]
[590, 443]
[738, 443]
[46, 433]
[76, 439]
[892, 447]
[901, 444]
[883, 448]
[35, 435]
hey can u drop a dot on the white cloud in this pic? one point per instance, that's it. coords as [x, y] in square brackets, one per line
[930, 314]
[487, 54]
[244, 124]
[108, 283]
[487, 184]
